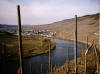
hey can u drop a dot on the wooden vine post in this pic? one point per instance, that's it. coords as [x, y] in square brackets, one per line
[68, 60]
[20, 41]
[41, 68]
[49, 58]
[75, 44]
[5, 59]
[86, 58]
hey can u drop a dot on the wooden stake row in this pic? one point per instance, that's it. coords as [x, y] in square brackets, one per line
[50, 66]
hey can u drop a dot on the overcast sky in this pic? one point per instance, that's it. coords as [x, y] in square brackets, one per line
[45, 11]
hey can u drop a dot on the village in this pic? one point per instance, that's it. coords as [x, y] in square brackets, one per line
[43, 33]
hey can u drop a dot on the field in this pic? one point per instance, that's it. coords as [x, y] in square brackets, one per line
[32, 45]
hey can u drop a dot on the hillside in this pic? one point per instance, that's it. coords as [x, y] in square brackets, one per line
[88, 25]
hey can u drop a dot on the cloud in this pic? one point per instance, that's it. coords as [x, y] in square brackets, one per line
[45, 11]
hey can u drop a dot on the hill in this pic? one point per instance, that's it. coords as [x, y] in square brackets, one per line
[88, 25]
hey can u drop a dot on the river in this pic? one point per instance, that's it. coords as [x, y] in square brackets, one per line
[58, 58]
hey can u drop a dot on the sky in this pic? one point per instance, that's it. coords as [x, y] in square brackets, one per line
[36, 12]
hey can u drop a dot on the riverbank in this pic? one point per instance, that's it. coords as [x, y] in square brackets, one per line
[69, 66]
[40, 52]
[91, 67]
[81, 41]
[32, 45]
[84, 42]
[58, 58]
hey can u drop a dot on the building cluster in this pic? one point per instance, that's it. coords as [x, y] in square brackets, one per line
[43, 33]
